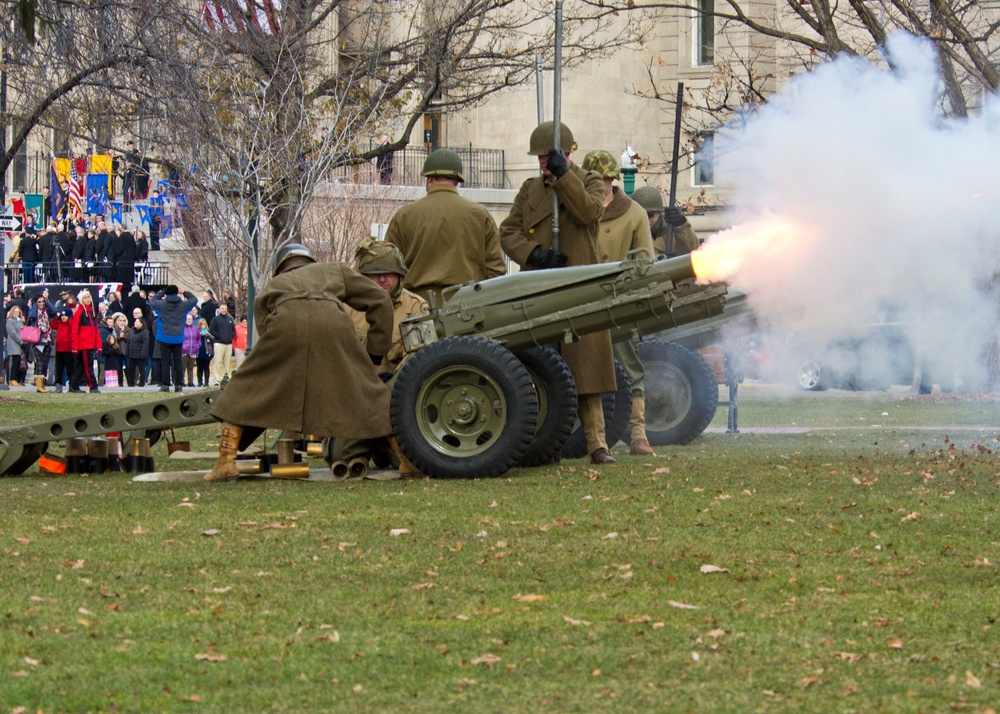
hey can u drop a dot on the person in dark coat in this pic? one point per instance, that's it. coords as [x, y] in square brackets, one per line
[305, 336]
[209, 306]
[46, 253]
[125, 258]
[138, 353]
[80, 250]
[29, 256]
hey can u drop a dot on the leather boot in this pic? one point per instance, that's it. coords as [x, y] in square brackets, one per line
[637, 421]
[406, 467]
[40, 384]
[225, 468]
[13, 383]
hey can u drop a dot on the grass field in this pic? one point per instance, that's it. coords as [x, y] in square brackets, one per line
[851, 567]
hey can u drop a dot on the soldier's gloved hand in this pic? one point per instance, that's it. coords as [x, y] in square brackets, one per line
[674, 216]
[557, 164]
[376, 359]
[548, 258]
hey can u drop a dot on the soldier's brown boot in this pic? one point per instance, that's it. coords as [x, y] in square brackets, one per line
[641, 447]
[40, 384]
[406, 467]
[229, 442]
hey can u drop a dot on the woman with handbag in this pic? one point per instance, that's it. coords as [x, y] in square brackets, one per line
[15, 346]
[40, 318]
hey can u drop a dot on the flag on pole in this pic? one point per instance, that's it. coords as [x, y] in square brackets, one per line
[75, 191]
[56, 192]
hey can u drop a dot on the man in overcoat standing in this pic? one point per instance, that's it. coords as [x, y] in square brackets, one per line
[445, 239]
[526, 236]
[308, 372]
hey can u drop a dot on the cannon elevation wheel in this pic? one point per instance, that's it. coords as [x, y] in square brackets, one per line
[464, 407]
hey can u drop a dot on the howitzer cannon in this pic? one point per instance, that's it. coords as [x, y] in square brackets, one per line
[482, 389]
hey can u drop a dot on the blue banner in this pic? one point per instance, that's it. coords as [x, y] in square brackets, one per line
[143, 212]
[97, 193]
[116, 212]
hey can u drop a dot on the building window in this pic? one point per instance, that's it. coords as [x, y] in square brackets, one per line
[704, 161]
[704, 35]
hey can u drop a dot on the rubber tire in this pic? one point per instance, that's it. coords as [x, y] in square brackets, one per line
[449, 380]
[556, 404]
[809, 376]
[682, 393]
[617, 411]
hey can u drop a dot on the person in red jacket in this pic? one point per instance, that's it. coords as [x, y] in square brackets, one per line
[64, 346]
[85, 328]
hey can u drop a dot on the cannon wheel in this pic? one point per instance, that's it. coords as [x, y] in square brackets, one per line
[617, 410]
[556, 404]
[682, 393]
[464, 407]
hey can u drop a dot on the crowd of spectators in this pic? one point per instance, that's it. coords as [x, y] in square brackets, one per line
[88, 251]
[73, 342]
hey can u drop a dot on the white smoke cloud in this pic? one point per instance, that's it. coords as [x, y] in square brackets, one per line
[881, 206]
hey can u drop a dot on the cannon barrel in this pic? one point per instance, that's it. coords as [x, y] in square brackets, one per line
[535, 308]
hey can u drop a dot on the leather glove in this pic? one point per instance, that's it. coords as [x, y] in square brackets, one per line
[376, 359]
[674, 216]
[548, 258]
[557, 164]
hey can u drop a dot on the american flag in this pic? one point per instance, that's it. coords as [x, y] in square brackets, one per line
[241, 15]
[74, 192]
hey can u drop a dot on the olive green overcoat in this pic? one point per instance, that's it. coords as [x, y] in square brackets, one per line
[308, 372]
[529, 226]
[685, 239]
[445, 240]
[624, 227]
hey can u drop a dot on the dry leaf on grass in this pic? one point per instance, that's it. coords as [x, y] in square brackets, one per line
[708, 569]
[681, 605]
[399, 531]
[573, 621]
[488, 659]
[211, 532]
[896, 644]
[972, 680]
[205, 657]
[530, 597]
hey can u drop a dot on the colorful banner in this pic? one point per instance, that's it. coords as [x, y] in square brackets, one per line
[56, 191]
[143, 212]
[97, 194]
[116, 212]
[35, 205]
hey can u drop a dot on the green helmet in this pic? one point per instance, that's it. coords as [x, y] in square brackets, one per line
[375, 257]
[444, 162]
[603, 162]
[289, 251]
[649, 198]
[543, 138]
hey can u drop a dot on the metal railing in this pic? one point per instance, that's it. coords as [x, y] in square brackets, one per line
[152, 273]
[484, 168]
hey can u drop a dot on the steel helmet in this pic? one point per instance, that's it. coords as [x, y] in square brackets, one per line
[289, 251]
[374, 257]
[649, 198]
[543, 139]
[603, 162]
[444, 162]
